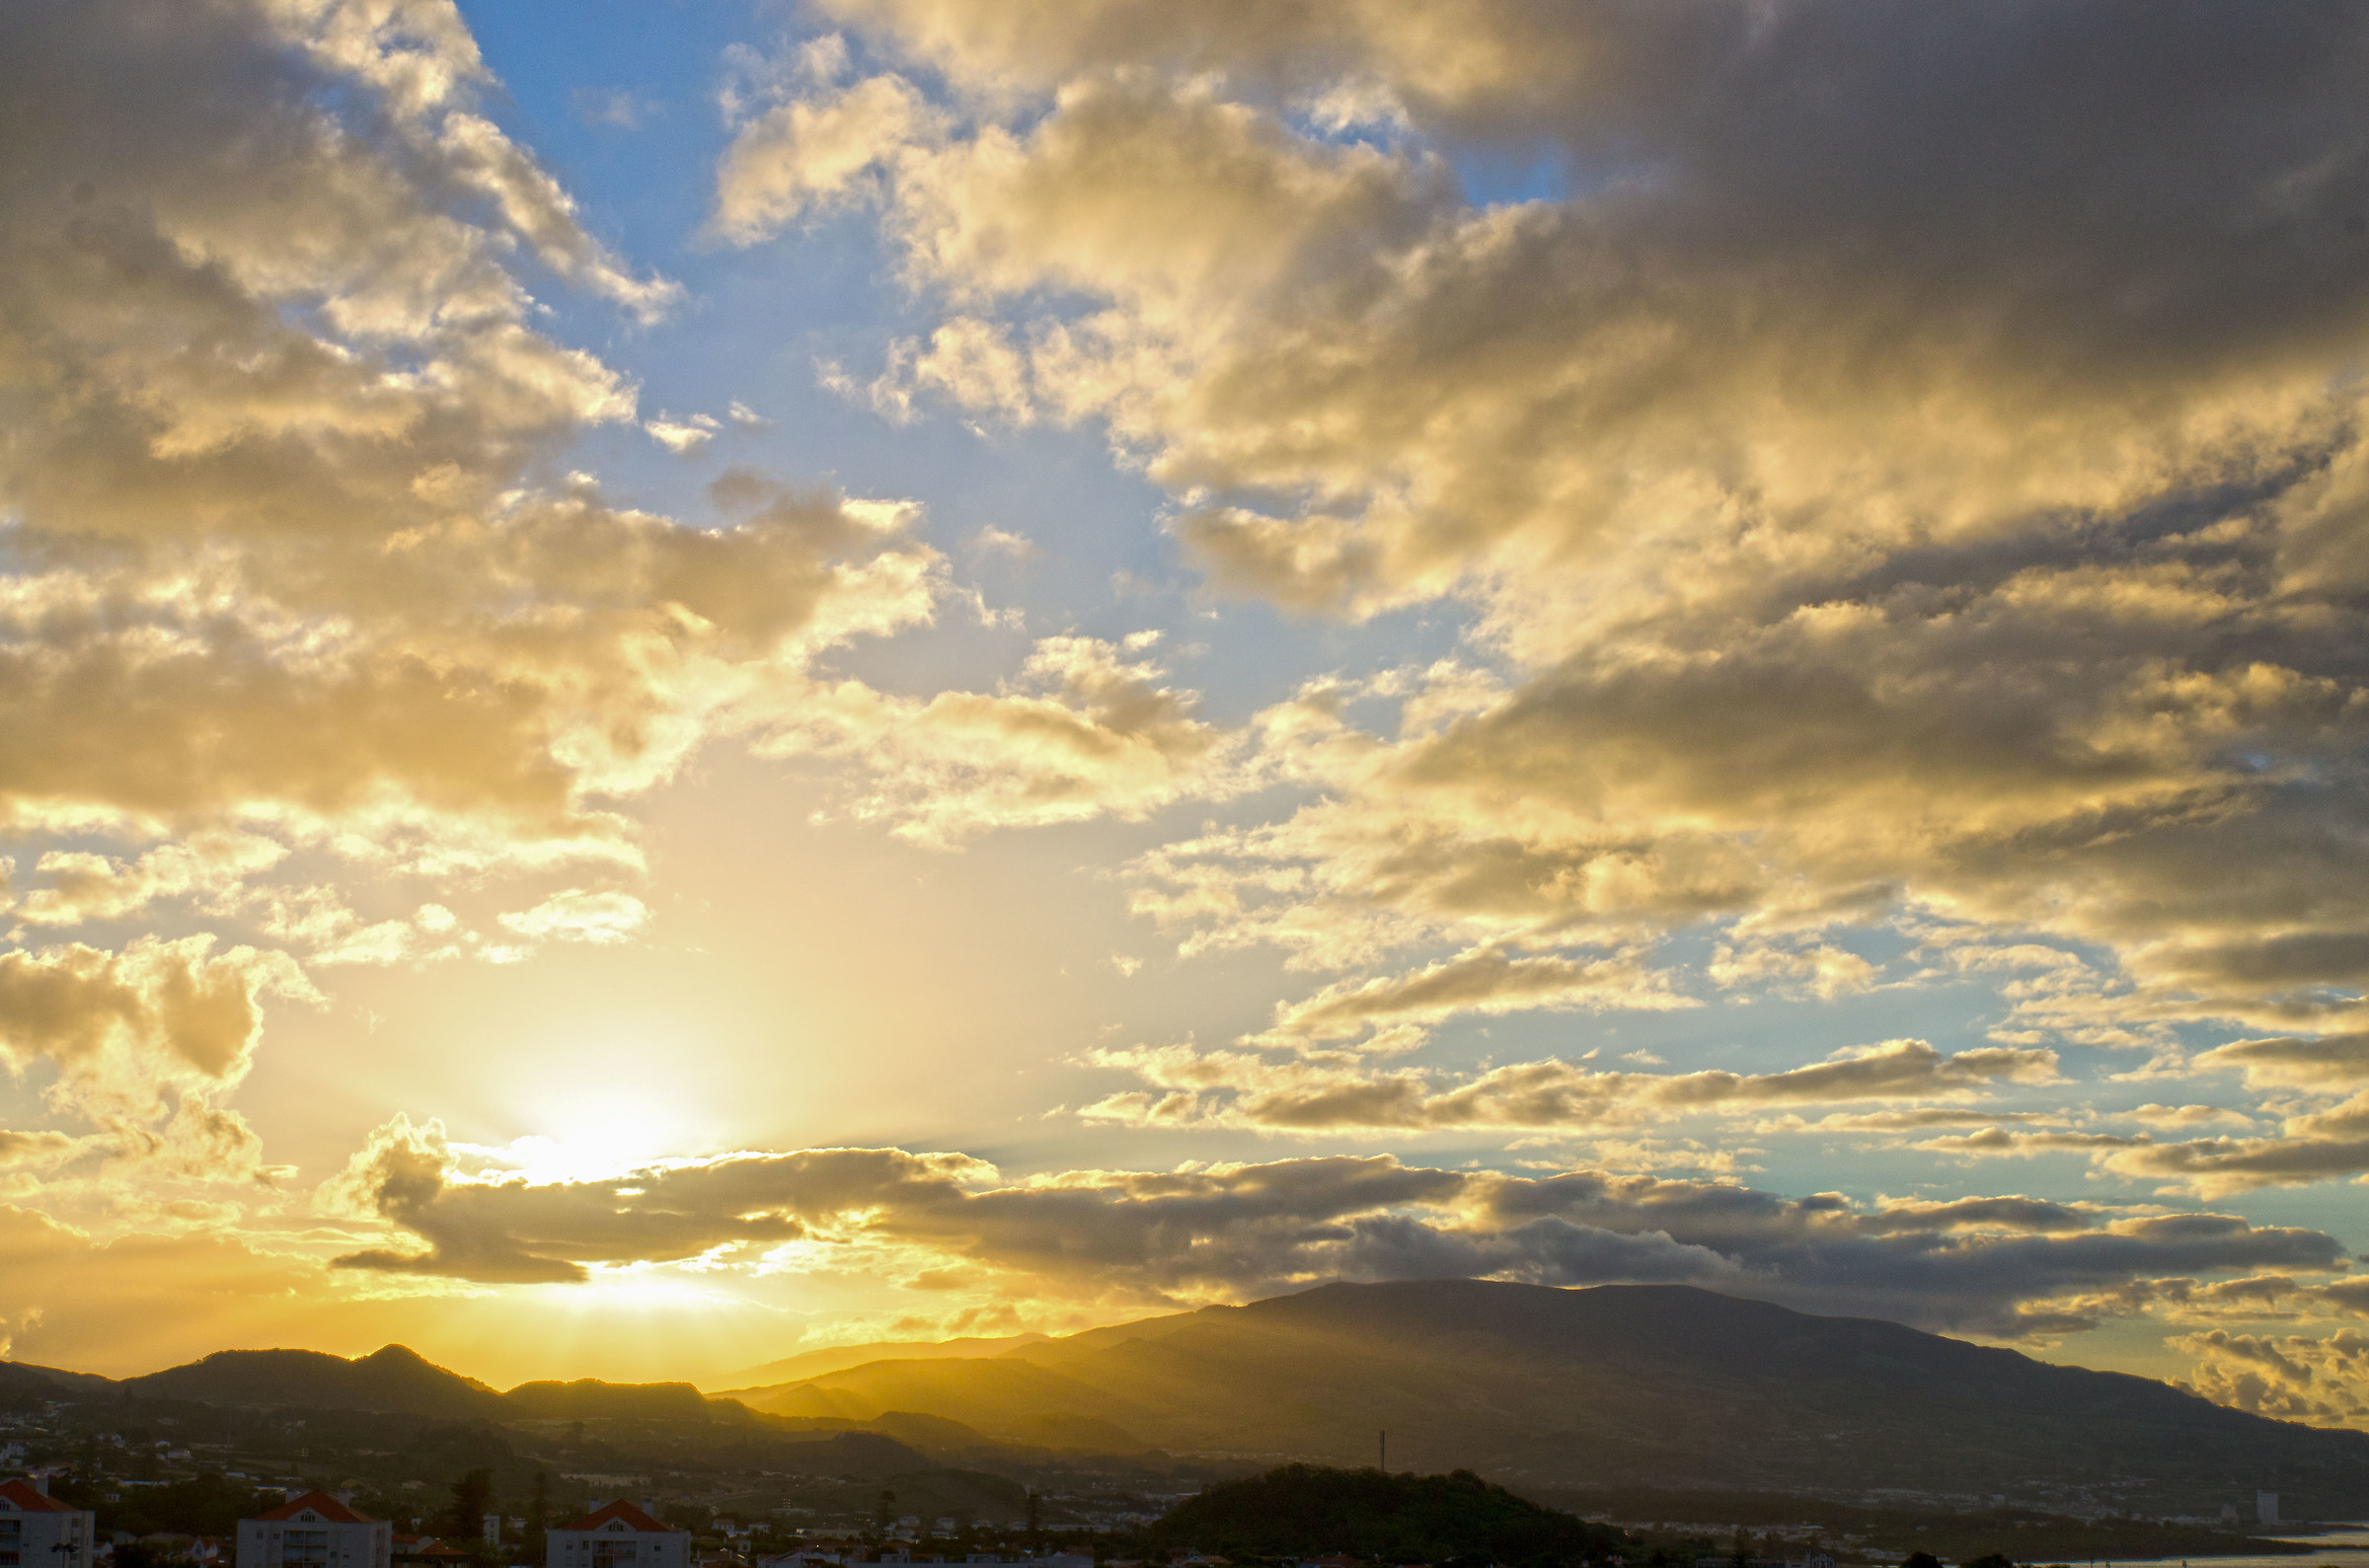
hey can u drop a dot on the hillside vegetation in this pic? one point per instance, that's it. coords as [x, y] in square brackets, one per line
[1304, 1510]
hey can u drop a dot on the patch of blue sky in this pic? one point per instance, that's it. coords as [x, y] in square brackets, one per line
[1498, 177]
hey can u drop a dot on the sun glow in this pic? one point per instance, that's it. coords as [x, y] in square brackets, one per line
[597, 1137]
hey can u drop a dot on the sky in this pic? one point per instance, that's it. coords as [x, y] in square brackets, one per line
[686, 680]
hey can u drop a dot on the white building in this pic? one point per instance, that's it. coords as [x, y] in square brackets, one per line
[36, 1531]
[615, 1535]
[315, 1531]
[2266, 1508]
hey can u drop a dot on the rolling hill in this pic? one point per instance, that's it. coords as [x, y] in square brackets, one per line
[1619, 1384]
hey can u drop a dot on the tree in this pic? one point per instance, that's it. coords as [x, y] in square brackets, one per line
[1922, 1559]
[473, 1500]
[880, 1513]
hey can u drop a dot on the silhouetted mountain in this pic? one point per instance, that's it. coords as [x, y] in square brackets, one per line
[24, 1384]
[588, 1397]
[999, 1396]
[831, 1358]
[393, 1381]
[1656, 1384]
[929, 1433]
[1303, 1510]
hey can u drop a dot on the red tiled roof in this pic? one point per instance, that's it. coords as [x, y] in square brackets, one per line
[634, 1518]
[31, 1501]
[328, 1506]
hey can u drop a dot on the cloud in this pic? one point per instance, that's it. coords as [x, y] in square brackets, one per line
[509, 1228]
[2328, 1062]
[992, 540]
[1232, 1232]
[299, 593]
[614, 108]
[21, 1150]
[84, 886]
[274, 319]
[2322, 1380]
[1087, 729]
[578, 916]
[2183, 1117]
[1193, 1087]
[816, 150]
[115, 1022]
[145, 1040]
[2313, 1147]
[1483, 980]
[684, 436]
[1871, 508]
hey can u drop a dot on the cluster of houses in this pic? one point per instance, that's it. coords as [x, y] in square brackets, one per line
[318, 1530]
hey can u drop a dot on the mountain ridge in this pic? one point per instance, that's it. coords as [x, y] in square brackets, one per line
[1670, 1384]
[831, 1358]
[1543, 1387]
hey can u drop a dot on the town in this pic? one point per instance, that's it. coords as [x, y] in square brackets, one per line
[1298, 1516]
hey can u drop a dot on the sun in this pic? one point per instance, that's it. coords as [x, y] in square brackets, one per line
[597, 1135]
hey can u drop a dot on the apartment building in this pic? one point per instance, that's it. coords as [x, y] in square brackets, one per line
[315, 1531]
[36, 1531]
[616, 1535]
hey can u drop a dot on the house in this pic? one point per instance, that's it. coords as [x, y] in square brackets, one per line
[36, 1531]
[315, 1531]
[615, 1535]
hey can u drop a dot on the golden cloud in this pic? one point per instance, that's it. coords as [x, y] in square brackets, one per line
[1327, 1093]
[1966, 547]
[1232, 1232]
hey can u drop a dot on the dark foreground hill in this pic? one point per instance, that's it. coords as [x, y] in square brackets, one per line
[1302, 1511]
[1622, 1385]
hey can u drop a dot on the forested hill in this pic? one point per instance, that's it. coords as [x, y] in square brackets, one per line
[1303, 1510]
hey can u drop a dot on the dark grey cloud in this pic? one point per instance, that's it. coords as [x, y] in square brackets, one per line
[2003, 1265]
